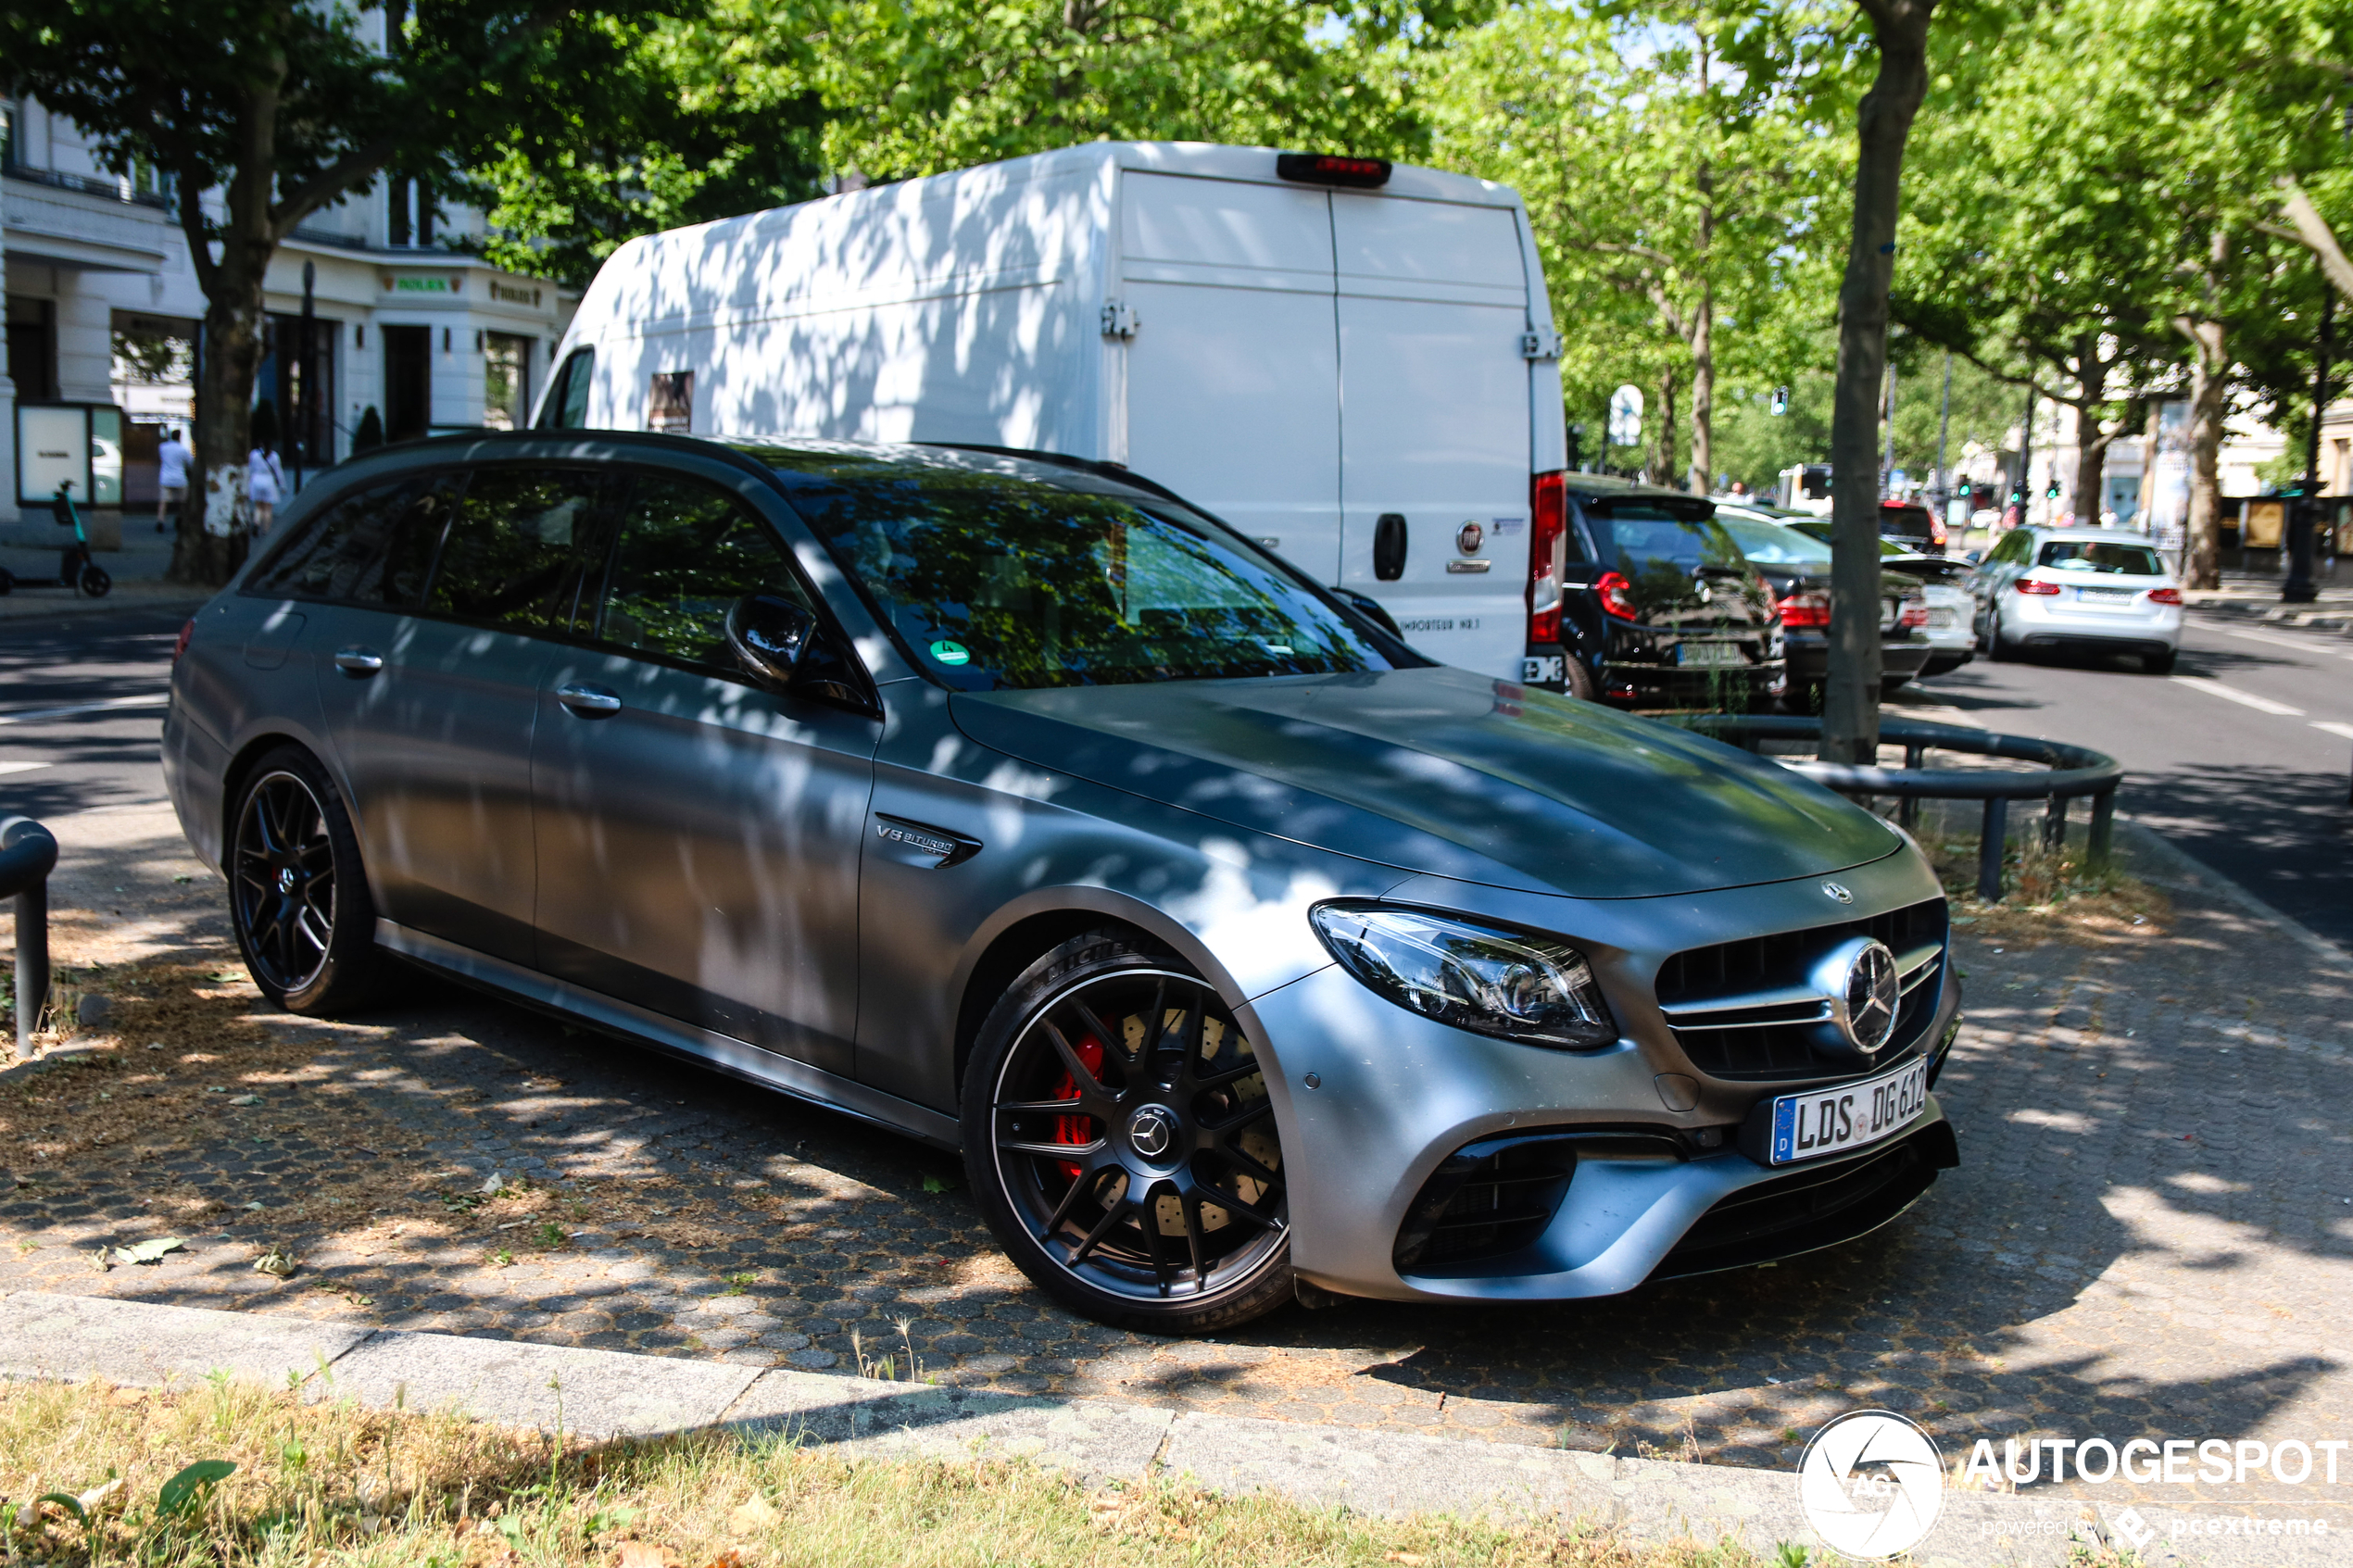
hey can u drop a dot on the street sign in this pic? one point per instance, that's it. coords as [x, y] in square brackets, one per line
[1626, 417]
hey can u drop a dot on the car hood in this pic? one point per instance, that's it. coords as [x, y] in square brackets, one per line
[1442, 771]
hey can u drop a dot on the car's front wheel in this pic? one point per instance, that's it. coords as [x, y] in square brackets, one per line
[1120, 1144]
[297, 898]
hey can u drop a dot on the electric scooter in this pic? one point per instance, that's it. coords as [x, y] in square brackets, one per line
[75, 568]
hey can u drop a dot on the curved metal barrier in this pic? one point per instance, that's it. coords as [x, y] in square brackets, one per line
[2068, 773]
[27, 854]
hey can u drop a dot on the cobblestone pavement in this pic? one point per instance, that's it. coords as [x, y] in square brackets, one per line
[2148, 1235]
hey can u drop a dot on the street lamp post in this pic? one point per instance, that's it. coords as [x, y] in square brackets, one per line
[306, 396]
[2305, 519]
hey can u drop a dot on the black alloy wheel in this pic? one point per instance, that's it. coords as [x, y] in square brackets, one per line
[297, 899]
[1119, 1135]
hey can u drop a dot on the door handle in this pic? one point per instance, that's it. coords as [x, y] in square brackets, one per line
[589, 702]
[360, 663]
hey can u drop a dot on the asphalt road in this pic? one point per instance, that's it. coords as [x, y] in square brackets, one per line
[2241, 757]
[80, 710]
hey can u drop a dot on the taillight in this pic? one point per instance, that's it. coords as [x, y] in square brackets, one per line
[1548, 528]
[1809, 608]
[1914, 613]
[2165, 596]
[1616, 595]
[2034, 585]
[190, 630]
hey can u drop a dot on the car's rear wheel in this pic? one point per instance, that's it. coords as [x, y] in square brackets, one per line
[1997, 647]
[297, 898]
[1120, 1141]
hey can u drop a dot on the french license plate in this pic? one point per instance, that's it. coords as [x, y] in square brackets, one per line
[1690, 654]
[1824, 1122]
[2105, 595]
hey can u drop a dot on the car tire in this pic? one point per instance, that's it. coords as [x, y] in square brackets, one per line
[1999, 648]
[298, 898]
[1067, 1060]
[2158, 663]
[1577, 680]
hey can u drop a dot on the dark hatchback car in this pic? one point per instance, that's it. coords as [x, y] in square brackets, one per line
[1640, 598]
[1798, 566]
[1243, 952]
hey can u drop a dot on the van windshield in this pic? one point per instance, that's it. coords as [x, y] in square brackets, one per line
[993, 581]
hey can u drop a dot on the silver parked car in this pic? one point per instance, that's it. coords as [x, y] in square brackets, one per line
[2100, 589]
[1015, 806]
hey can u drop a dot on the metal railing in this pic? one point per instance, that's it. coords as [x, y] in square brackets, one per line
[27, 854]
[2070, 773]
[111, 186]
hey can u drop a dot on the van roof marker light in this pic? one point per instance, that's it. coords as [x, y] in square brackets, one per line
[1327, 168]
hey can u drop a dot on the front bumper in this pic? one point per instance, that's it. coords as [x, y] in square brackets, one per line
[1378, 1101]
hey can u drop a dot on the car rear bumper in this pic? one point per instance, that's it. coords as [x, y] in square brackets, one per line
[1808, 655]
[2038, 621]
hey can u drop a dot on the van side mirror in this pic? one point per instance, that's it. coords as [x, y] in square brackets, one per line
[1389, 547]
[769, 636]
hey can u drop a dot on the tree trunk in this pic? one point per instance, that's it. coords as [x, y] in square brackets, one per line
[1703, 470]
[216, 507]
[2091, 446]
[2209, 380]
[2150, 435]
[1665, 469]
[1883, 121]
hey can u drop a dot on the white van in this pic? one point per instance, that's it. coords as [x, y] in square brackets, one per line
[1352, 362]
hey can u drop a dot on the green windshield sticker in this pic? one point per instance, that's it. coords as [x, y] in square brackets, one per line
[951, 653]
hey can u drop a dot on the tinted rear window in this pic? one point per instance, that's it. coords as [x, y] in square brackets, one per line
[1640, 539]
[372, 548]
[1911, 522]
[2099, 555]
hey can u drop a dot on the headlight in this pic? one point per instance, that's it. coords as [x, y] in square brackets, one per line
[1501, 983]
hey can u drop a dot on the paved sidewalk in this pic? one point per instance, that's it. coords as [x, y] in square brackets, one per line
[2148, 1235]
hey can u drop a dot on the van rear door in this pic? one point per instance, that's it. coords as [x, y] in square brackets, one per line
[1433, 306]
[1232, 396]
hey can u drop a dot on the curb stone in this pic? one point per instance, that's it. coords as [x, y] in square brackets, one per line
[606, 1393]
[2181, 863]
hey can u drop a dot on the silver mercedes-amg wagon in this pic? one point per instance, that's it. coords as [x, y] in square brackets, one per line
[1010, 803]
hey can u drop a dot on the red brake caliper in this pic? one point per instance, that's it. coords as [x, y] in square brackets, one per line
[1078, 1129]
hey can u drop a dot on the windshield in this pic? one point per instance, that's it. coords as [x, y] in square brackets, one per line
[1773, 544]
[993, 581]
[2098, 554]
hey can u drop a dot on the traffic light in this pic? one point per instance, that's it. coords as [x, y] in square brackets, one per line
[2053, 493]
[1780, 400]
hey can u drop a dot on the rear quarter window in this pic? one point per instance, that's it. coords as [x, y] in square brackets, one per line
[372, 548]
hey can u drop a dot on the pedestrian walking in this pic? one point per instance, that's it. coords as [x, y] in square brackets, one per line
[265, 481]
[172, 462]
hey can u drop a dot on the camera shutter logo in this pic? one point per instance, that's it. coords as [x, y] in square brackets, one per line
[1872, 1485]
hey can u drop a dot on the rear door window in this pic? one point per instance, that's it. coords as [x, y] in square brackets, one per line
[515, 549]
[2098, 555]
[374, 547]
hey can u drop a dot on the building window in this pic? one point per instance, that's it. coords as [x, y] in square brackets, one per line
[505, 381]
[671, 405]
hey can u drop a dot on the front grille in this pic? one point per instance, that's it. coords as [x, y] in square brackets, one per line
[1485, 1200]
[1814, 1207]
[1762, 1019]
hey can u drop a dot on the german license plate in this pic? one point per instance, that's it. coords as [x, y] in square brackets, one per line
[2105, 595]
[1824, 1122]
[1690, 654]
[1942, 620]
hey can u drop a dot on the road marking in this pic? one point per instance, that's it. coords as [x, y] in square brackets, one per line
[2333, 728]
[2262, 704]
[110, 705]
[20, 767]
[2299, 644]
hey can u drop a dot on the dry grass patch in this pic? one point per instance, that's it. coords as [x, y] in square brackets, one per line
[319, 1484]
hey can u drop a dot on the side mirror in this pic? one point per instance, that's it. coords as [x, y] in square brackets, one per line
[769, 636]
[1372, 607]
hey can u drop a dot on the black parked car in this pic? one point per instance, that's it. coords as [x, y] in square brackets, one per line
[1645, 601]
[1798, 566]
